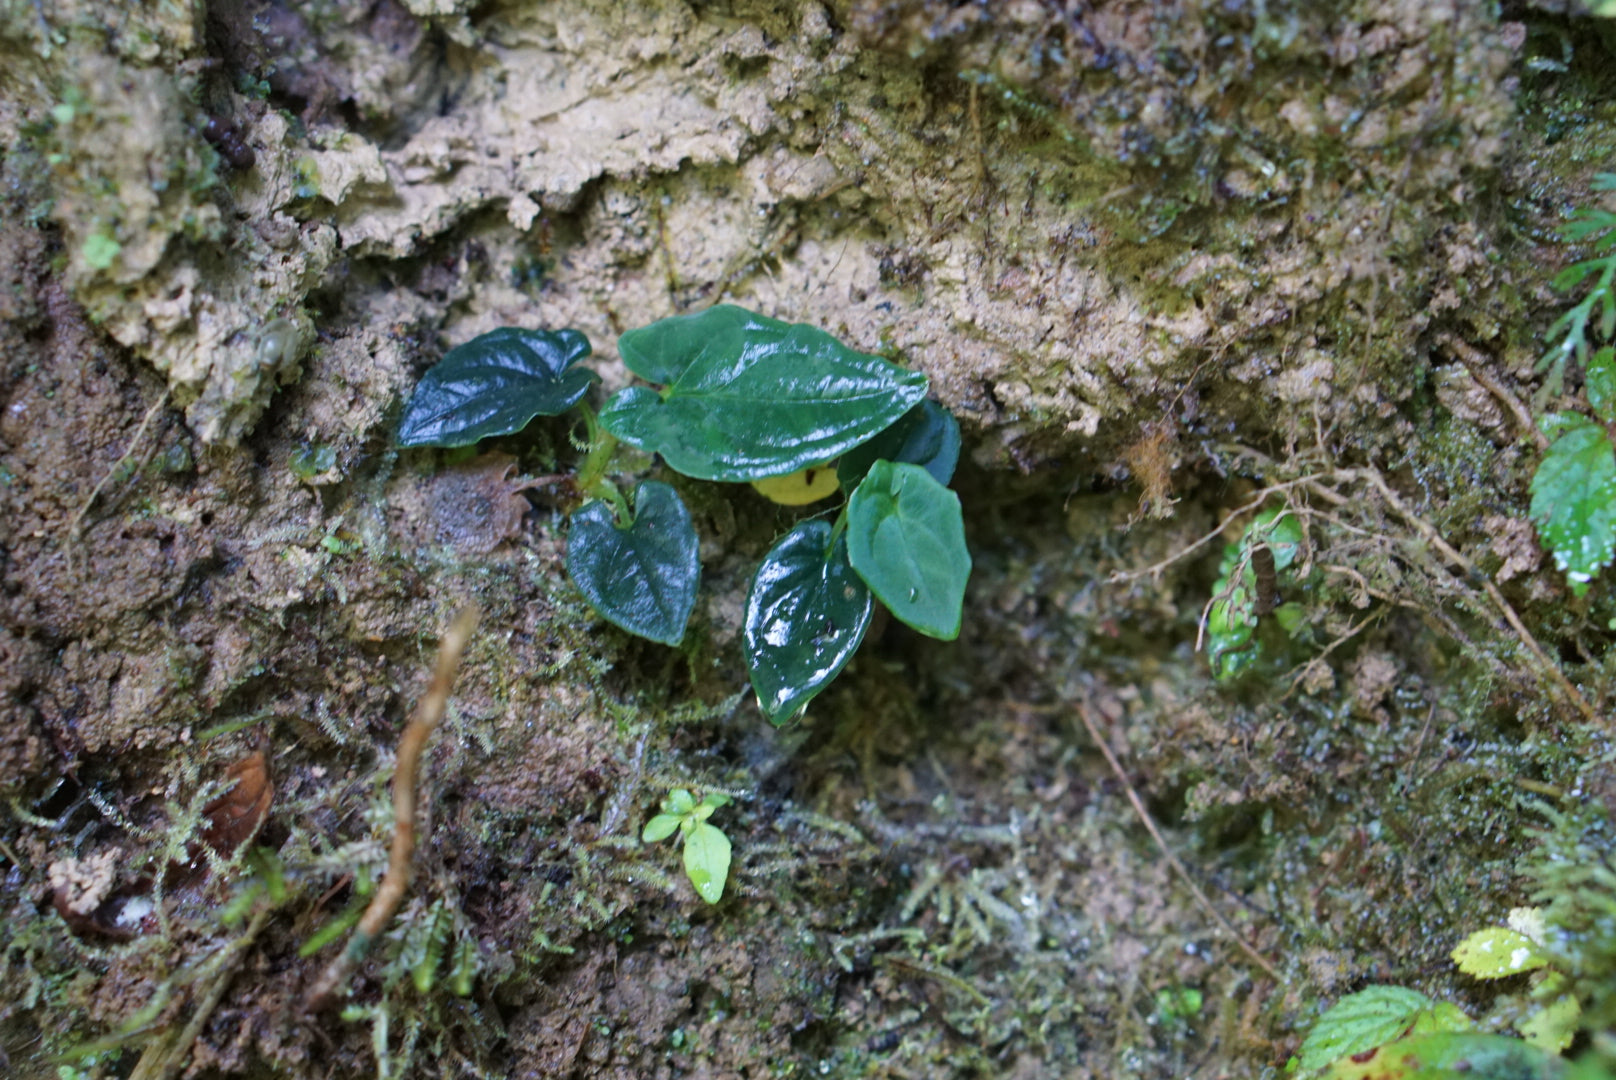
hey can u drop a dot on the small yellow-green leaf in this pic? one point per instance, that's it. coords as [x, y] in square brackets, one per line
[1552, 1026]
[799, 488]
[660, 828]
[1497, 952]
[1442, 1016]
[707, 861]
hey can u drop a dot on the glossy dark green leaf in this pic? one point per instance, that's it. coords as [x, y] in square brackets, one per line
[805, 616]
[746, 397]
[927, 435]
[906, 539]
[1574, 498]
[494, 385]
[642, 578]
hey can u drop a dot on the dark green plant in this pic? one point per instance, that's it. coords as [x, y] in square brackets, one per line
[736, 397]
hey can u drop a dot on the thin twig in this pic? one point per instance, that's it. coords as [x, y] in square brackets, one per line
[1299, 672]
[1250, 504]
[428, 712]
[162, 1058]
[134, 441]
[1167, 852]
[1476, 363]
[1434, 538]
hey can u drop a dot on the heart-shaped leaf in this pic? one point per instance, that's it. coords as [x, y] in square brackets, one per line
[494, 385]
[805, 616]
[927, 435]
[906, 539]
[707, 861]
[641, 577]
[747, 397]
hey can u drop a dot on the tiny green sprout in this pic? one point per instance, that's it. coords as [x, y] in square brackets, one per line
[1177, 1005]
[315, 459]
[100, 250]
[707, 849]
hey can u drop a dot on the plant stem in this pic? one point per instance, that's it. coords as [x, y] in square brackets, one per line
[428, 712]
[602, 445]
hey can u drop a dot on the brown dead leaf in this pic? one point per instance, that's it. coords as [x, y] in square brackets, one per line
[235, 817]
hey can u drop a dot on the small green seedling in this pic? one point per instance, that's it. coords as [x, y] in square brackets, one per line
[706, 847]
[1176, 1006]
[738, 398]
[1248, 588]
[1499, 952]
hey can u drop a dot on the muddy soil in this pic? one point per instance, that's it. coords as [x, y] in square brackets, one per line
[1167, 263]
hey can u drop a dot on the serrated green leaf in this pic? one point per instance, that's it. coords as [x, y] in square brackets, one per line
[1452, 1056]
[1574, 501]
[642, 577]
[1496, 953]
[660, 827]
[707, 861]
[747, 397]
[927, 435]
[1601, 382]
[494, 385]
[806, 614]
[906, 539]
[1358, 1022]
